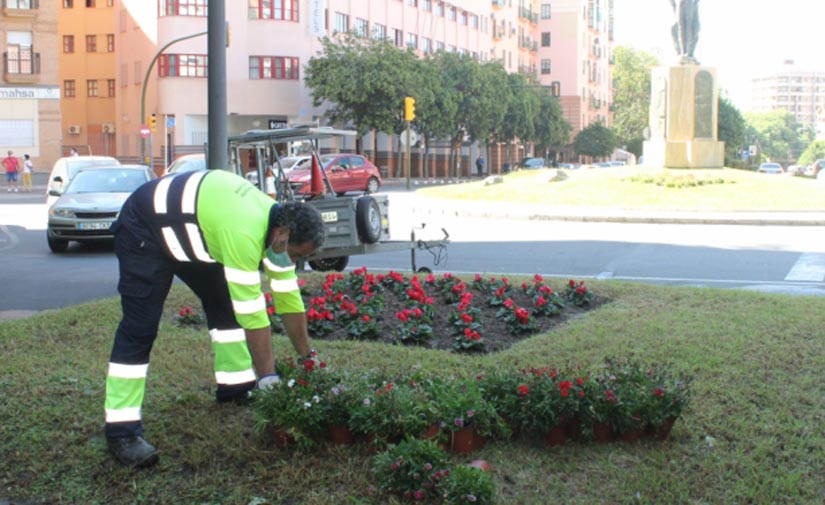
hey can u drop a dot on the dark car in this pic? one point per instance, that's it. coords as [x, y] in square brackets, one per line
[531, 163]
[346, 172]
[91, 202]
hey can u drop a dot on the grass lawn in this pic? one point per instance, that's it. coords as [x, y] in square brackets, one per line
[754, 433]
[635, 187]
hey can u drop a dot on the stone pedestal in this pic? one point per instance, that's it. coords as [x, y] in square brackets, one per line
[684, 104]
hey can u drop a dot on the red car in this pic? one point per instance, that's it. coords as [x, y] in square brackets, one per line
[346, 172]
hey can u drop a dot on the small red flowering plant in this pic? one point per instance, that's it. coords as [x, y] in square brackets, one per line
[577, 293]
[517, 319]
[412, 470]
[188, 317]
[415, 327]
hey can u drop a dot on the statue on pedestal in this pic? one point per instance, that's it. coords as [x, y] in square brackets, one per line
[685, 28]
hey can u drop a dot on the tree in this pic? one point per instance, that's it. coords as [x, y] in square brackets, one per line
[815, 151]
[596, 140]
[731, 130]
[631, 96]
[552, 130]
[779, 135]
[364, 81]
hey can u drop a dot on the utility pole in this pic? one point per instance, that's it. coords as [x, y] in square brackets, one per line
[216, 156]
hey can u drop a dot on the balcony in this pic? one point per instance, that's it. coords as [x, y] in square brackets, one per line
[529, 15]
[499, 3]
[21, 68]
[20, 8]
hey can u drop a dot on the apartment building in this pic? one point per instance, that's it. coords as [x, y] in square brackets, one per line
[800, 92]
[575, 58]
[29, 91]
[87, 75]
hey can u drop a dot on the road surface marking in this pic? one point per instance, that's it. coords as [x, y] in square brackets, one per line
[809, 267]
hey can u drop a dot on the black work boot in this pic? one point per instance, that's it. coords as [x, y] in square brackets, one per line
[133, 451]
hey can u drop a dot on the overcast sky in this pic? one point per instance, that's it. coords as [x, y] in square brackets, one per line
[741, 38]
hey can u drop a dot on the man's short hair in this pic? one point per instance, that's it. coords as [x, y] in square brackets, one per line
[303, 220]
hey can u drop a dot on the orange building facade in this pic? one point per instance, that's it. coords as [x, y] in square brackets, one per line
[88, 86]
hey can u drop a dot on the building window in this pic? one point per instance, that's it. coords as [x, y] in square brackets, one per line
[91, 43]
[439, 46]
[427, 5]
[341, 22]
[91, 88]
[545, 11]
[68, 4]
[452, 14]
[412, 41]
[68, 43]
[282, 10]
[90, 3]
[197, 8]
[545, 39]
[545, 66]
[413, 3]
[110, 84]
[19, 4]
[398, 37]
[426, 45]
[439, 9]
[474, 21]
[19, 59]
[273, 67]
[379, 31]
[463, 18]
[361, 27]
[68, 88]
[110, 42]
[182, 65]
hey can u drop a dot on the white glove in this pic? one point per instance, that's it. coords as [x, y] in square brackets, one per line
[269, 381]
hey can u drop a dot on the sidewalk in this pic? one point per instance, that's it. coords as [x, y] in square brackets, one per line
[539, 212]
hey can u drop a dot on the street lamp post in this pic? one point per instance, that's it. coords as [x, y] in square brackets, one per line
[146, 79]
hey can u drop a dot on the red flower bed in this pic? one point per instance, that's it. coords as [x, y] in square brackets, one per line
[487, 314]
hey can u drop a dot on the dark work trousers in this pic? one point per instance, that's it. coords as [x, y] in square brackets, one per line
[146, 274]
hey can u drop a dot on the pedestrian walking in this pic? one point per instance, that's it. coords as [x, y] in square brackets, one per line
[12, 168]
[211, 229]
[74, 152]
[28, 169]
[480, 166]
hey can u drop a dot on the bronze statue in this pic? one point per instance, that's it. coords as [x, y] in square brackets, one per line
[685, 28]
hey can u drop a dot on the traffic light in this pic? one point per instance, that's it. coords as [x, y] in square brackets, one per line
[409, 108]
[153, 123]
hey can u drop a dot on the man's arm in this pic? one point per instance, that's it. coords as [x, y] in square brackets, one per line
[259, 342]
[295, 325]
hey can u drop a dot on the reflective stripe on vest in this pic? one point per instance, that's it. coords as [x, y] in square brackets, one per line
[174, 204]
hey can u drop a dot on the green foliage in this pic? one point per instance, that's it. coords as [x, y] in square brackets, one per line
[815, 151]
[731, 129]
[595, 140]
[778, 135]
[467, 484]
[631, 95]
[413, 469]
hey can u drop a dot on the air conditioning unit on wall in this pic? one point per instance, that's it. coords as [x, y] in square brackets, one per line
[74, 129]
[108, 127]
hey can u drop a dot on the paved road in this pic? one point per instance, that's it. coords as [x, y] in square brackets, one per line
[773, 256]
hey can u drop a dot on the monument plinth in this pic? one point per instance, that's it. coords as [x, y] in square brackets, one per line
[683, 118]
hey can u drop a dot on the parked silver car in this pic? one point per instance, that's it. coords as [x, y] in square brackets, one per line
[91, 203]
[65, 168]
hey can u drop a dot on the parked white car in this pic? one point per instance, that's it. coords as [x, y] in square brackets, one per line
[770, 168]
[64, 170]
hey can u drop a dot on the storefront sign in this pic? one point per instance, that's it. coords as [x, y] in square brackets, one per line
[30, 93]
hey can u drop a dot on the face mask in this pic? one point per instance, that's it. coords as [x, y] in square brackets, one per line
[279, 259]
